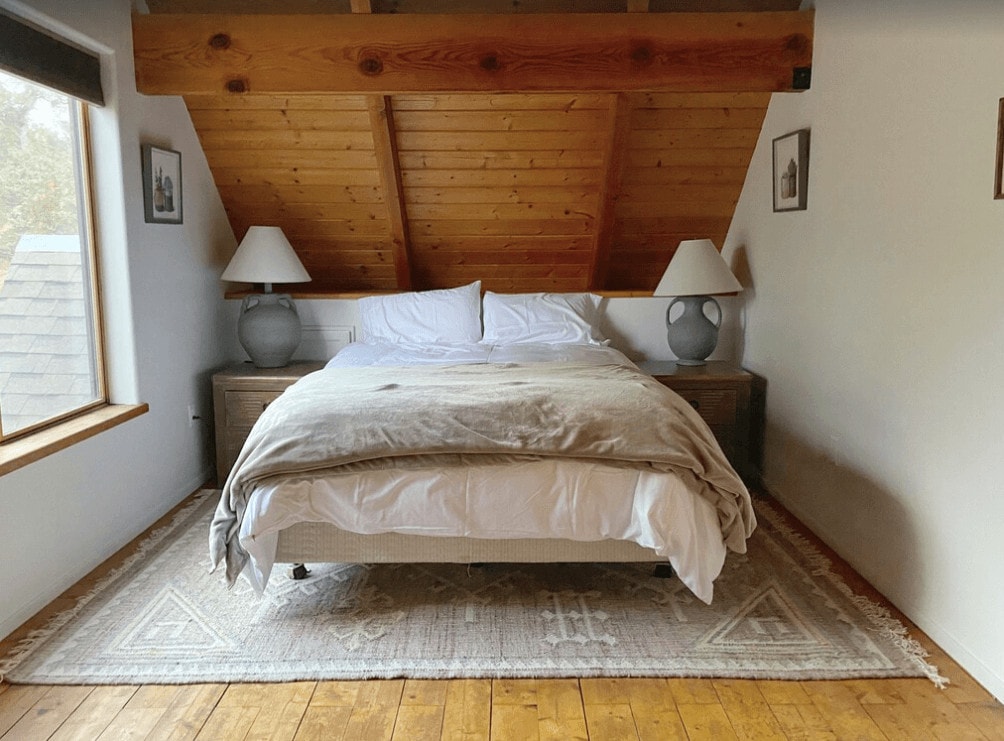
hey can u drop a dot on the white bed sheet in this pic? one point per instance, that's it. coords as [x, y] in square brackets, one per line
[546, 498]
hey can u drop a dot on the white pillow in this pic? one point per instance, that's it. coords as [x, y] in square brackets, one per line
[451, 315]
[542, 317]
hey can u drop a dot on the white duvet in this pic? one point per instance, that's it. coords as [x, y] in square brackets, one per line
[547, 498]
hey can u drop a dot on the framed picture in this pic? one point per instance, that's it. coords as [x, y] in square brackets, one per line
[162, 198]
[999, 176]
[791, 171]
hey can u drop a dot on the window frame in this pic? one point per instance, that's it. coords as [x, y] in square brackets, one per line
[82, 171]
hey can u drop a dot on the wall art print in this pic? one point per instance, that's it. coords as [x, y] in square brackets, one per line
[791, 171]
[162, 197]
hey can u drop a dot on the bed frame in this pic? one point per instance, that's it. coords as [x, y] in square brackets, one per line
[317, 542]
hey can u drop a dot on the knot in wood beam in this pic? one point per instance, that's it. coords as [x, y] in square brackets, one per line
[490, 63]
[641, 55]
[220, 41]
[371, 66]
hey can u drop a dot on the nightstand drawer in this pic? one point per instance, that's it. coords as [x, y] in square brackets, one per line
[244, 407]
[716, 406]
[240, 395]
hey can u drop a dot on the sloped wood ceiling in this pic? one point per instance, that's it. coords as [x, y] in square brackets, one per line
[562, 153]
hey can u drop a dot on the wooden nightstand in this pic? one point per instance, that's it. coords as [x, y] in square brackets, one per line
[240, 395]
[723, 395]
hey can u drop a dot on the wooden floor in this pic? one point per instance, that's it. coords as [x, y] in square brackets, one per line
[469, 709]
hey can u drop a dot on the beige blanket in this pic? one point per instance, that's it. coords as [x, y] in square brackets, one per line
[350, 417]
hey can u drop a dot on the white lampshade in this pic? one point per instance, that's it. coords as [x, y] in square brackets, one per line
[697, 269]
[265, 256]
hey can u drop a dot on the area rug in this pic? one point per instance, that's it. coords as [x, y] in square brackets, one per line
[162, 618]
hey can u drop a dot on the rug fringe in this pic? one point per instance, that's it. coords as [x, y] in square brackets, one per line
[880, 617]
[25, 646]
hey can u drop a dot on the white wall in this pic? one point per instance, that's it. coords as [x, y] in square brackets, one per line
[877, 315]
[167, 330]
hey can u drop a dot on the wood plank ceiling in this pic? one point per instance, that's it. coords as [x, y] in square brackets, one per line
[533, 152]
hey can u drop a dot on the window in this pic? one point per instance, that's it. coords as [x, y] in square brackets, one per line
[50, 360]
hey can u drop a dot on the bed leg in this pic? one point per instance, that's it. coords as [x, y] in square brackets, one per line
[663, 571]
[298, 571]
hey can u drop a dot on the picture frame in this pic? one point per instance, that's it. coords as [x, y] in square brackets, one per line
[791, 171]
[162, 194]
[999, 171]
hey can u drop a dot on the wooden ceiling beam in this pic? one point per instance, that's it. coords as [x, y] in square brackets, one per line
[389, 165]
[613, 164]
[385, 54]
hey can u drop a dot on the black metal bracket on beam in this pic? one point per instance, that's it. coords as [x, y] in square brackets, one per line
[801, 78]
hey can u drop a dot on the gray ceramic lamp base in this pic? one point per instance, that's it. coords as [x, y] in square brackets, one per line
[692, 337]
[269, 329]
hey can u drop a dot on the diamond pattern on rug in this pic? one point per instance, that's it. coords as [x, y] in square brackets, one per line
[172, 626]
[778, 612]
[766, 621]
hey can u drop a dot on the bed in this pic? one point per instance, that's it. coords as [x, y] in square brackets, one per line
[466, 431]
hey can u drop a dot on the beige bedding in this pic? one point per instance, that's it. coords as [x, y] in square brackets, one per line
[362, 418]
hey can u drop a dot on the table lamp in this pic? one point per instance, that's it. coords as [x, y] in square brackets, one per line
[696, 271]
[269, 325]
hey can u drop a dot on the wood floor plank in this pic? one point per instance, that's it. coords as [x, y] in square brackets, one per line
[560, 713]
[280, 714]
[336, 694]
[154, 696]
[905, 723]
[187, 713]
[375, 712]
[803, 722]
[418, 723]
[95, 713]
[654, 709]
[514, 722]
[610, 722]
[227, 722]
[748, 710]
[514, 692]
[693, 691]
[847, 717]
[655, 724]
[424, 692]
[132, 724]
[876, 691]
[987, 716]
[53, 707]
[605, 691]
[467, 714]
[324, 723]
[922, 714]
[778, 692]
[17, 701]
[706, 722]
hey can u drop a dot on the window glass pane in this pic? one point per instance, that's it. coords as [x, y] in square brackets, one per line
[48, 359]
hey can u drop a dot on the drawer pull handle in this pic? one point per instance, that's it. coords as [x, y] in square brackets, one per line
[695, 403]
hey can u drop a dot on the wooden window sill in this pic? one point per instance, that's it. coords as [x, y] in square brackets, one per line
[22, 451]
